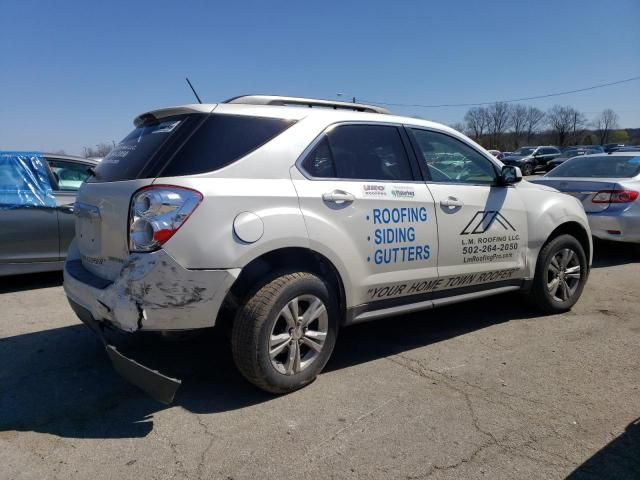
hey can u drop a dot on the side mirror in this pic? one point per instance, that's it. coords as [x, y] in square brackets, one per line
[510, 175]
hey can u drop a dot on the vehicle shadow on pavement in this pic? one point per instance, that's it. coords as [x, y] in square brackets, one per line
[620, 459]
[610, 254]
[390, 336]
[60, 381]
[30, 281]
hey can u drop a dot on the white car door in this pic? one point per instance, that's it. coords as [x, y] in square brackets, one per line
[482, 226]
[367, 210]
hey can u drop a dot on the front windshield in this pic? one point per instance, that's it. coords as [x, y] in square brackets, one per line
[523, 151]
[598, 167]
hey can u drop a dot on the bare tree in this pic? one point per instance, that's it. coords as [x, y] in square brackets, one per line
[534, 121]
[578, 124]
[499, 119]
[518, 113]
[604, 124]
[476, 120]
[101, 150]
[566, 123]
[459, 126]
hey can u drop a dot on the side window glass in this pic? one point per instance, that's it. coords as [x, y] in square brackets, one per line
[68, 175]
[319, 162]
[24, 181]
[369, 152]
[448, 160]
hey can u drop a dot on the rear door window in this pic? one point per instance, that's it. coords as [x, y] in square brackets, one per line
[68, 175]
[360, 152]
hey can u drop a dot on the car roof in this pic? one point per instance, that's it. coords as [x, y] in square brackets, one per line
[329, 115]
[612, 154]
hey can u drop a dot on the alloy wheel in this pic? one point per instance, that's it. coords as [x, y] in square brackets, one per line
[563, 275]
[298, 334]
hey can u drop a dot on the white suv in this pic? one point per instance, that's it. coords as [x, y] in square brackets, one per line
[287, 218]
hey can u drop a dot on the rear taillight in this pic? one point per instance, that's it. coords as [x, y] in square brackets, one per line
[615, 196]
[156, 213]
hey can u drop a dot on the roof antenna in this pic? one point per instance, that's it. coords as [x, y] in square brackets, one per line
[193, 90]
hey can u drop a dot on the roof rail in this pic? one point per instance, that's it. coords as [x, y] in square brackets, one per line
[307, 102]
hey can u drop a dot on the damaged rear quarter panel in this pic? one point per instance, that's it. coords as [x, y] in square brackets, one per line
[153, 292]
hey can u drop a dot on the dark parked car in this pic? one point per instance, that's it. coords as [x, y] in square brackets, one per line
[570, 153]
[37, 193]
[612, 147]
[529, 159]
[596, 148]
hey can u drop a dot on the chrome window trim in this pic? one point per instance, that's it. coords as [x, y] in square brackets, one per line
[328, 129]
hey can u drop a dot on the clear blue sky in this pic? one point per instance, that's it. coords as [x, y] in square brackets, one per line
[75, 73]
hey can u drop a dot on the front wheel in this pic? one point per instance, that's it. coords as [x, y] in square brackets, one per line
[561, 273]
[527, 170]
[284, 334]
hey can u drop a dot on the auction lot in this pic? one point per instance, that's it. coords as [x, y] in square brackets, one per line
[486, 389]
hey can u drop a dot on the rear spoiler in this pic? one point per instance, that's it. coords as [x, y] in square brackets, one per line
[171, 111]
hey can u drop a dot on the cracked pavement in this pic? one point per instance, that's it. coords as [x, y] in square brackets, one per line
[486, 389]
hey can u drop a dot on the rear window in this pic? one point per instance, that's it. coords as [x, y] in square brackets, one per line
[135, 152]
[221, 140]
[605, 166]
[185, 145]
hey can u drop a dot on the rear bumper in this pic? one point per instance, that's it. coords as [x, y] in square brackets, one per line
[152, 292]
[157, 385]
[603, 225]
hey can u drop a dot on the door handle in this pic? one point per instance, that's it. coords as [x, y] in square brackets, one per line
[338, 196]
[68, 208]
[451, 202]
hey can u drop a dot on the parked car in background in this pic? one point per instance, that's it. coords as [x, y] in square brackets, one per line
[498, 154]
[529, 159]
[37, 193]
[612, 147]
[570, 153]
[635, 148]
[608, 186]
[595, 148]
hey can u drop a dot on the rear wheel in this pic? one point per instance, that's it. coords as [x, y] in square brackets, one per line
[561, 273]
[284, 334]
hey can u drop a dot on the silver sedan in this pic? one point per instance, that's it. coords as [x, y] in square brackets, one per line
[37, 193]
[608, 187]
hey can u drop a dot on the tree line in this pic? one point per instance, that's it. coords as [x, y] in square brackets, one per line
[507, 126]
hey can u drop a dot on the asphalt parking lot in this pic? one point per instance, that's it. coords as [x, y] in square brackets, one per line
[482, 390]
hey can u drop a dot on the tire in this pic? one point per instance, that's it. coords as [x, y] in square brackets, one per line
[526, 170]
[560, 296]
[265, 323]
